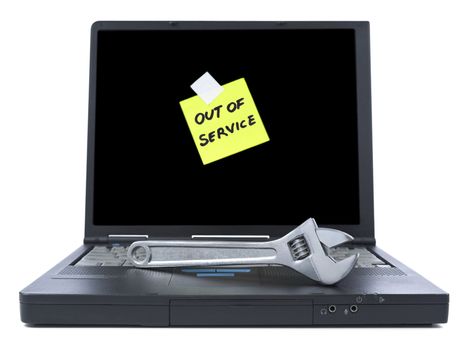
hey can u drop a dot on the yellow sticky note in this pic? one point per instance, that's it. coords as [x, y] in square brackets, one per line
[227, 125]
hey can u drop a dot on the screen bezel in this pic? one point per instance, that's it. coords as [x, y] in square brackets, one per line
[364, 231]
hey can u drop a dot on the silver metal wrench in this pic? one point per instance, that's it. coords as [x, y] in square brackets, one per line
[304, 249]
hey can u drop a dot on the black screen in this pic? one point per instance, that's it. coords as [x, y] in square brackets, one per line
[147, 168]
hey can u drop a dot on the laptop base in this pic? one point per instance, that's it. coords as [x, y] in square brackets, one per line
[264, 296]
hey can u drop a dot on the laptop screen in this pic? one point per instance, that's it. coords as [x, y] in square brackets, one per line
[148, 168]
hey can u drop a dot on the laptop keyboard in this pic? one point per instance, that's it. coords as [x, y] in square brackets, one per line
[105, 256]
[116, 256]
[366, 258]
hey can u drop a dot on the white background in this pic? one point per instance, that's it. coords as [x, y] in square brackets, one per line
[419, 79]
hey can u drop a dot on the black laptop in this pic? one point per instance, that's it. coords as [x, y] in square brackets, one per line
[146, 179]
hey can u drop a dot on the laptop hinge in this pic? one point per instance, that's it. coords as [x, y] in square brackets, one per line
[130, 238]
[364, 240]
[115, 239]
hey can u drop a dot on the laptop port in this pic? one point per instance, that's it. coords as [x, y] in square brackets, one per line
[332, 308]
[353, 308]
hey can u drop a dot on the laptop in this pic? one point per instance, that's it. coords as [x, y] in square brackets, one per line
[148, 179]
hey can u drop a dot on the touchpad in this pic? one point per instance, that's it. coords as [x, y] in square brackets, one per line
[225, 277]
[237, 277]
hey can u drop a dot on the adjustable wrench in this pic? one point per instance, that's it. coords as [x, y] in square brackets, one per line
[304, 249]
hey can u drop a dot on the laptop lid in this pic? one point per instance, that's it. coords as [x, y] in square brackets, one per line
[310, 84]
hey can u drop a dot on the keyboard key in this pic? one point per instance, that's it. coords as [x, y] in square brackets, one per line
[112, 263]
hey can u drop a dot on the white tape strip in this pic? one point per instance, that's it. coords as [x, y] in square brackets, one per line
[207, 88]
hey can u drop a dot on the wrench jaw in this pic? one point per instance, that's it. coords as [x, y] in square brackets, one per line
[309, 245]
[332, 238]
[329, 272]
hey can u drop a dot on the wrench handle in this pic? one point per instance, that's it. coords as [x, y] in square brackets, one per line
[199, 253]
